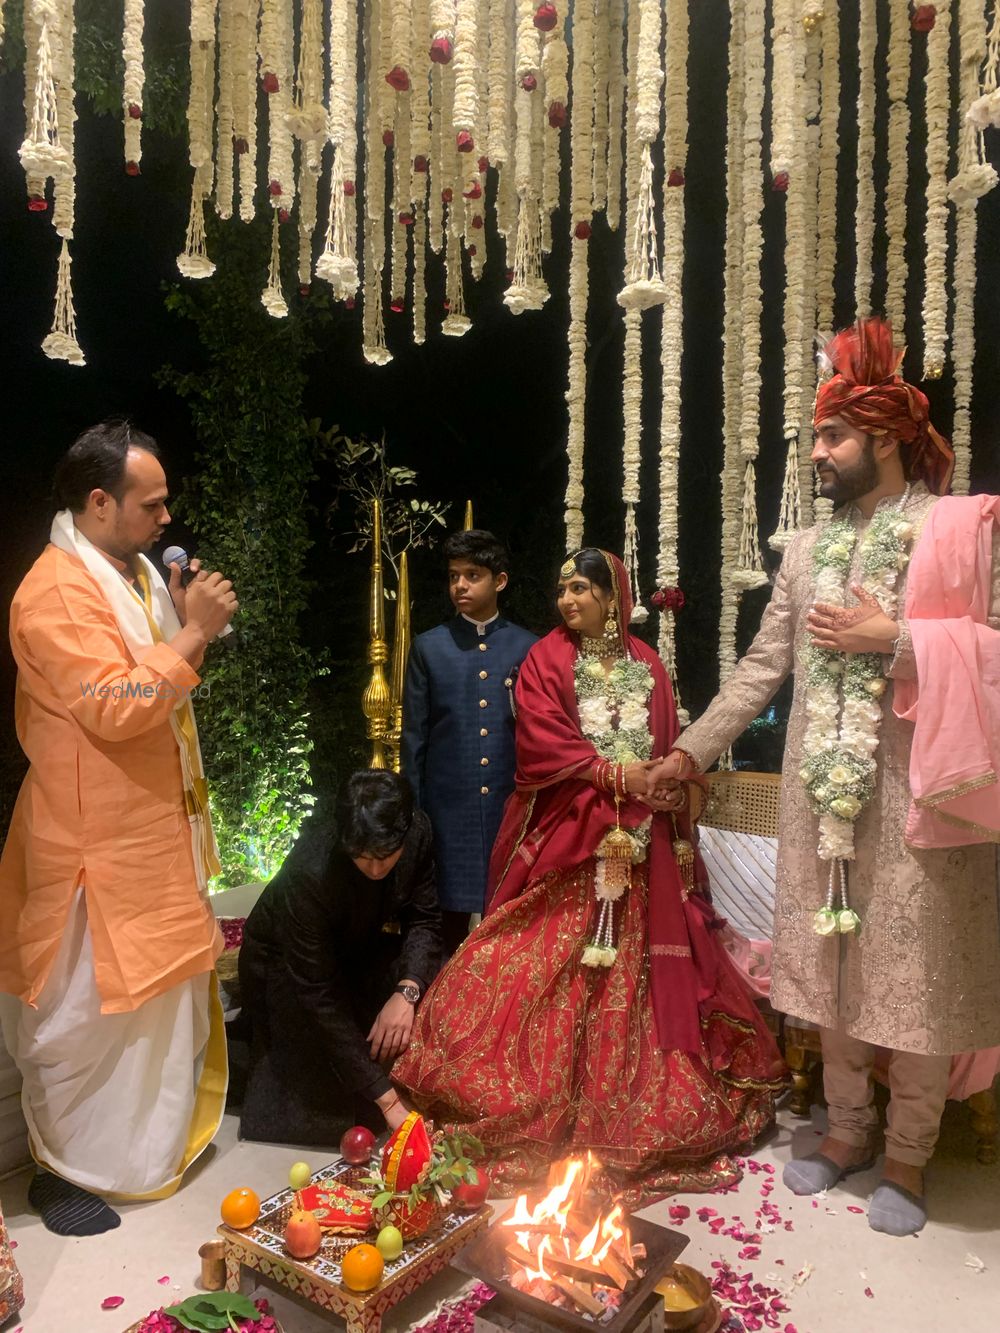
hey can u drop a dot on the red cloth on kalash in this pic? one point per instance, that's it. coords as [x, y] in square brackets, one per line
[661, 1063]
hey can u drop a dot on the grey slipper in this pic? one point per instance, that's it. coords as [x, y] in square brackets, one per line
[896, 1211]
[812, 1174]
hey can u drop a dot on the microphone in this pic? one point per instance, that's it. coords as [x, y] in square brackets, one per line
[176, 555]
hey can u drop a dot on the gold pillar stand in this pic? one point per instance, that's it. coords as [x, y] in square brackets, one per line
[376, 702]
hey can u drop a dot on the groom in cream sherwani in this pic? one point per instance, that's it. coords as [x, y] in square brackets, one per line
[107, 940]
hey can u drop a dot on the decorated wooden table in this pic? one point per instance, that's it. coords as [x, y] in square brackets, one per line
[260, 1249]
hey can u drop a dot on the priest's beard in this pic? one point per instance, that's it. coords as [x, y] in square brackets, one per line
[845, 485]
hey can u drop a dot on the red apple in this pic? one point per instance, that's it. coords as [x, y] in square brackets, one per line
[356, 1145]
[472, 1194]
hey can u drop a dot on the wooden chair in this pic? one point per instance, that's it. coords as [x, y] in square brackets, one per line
[739, 838]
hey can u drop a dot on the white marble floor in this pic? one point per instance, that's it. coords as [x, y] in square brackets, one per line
[858, 1281]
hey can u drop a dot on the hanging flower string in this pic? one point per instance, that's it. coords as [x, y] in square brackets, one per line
[864, 221]
[644, 285]
[898, 74]
[672, 329]
[935, 306]
[135, 77]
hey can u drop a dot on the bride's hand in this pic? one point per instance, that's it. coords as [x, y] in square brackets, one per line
[666, 800]
[637, 777]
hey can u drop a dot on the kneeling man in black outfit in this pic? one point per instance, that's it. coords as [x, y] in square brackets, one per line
[336, 956]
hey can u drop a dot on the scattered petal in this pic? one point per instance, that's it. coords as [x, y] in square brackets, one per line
[853, 1208]
[163, 1280]
[678, 1212]
[112, 1302]
[974, 1261]
[869, 1293]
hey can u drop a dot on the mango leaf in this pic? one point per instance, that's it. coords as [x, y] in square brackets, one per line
[207, 1313]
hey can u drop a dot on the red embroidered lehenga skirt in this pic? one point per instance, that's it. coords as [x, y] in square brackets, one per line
[541, 1057]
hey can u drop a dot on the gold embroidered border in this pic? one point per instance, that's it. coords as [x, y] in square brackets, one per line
[518, 840]
[962, 789]
[670, 950]
[986, 834]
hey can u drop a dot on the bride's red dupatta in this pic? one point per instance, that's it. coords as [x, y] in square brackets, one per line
[556, 819]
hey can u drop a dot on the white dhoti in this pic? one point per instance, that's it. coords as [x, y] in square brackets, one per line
[120, 1104]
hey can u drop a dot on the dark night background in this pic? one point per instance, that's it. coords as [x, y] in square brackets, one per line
[482, 416]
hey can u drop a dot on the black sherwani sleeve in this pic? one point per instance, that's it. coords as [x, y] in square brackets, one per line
[420, 914]
[416, 722]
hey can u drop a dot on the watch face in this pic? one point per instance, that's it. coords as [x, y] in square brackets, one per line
[410, 993]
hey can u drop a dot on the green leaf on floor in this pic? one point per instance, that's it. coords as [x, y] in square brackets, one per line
[208, 1313]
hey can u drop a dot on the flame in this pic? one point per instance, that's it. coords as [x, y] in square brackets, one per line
[551, 1216]
[610, 1233]
[534, 1275]
[554, 1207]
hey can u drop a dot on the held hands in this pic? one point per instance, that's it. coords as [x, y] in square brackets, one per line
[209, 601]
[390, 1034]
[666, 791]
[853, 629]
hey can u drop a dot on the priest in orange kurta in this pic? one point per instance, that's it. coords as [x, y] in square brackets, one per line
[107, 939]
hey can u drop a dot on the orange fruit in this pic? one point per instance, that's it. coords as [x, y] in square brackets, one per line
[362, 1267]
[240, 1208]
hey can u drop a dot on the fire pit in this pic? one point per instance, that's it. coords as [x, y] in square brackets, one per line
[568, 1265]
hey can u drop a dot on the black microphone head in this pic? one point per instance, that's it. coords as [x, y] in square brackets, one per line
[176, 555]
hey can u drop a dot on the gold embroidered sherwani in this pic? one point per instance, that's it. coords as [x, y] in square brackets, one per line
[923, 973]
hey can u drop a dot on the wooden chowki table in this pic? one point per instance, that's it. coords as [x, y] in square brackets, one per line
[261, 1249]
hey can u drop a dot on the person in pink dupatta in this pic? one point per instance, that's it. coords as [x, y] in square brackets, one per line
[886, 915]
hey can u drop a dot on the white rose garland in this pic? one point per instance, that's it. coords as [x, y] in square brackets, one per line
[749, 570]
[245, 102]
[42, 153]
[672, 328]
[500, 82]
[193, 261]
[602, 62]
[555, 65]
[935, 304]
[899, 132]
[275, 51]
[616, 114]
[810, 228]
[632, 369]
[135, 78]
[374, 348]
[789, 41]
[829, 160]
[61, 343]
[338, 263]
[229, 72]
[732, 350]
[864, 221]
[973, 50]
[465, 113]
[644, 286]
[581, 157]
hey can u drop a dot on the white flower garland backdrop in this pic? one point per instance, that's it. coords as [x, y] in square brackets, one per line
[517, 120]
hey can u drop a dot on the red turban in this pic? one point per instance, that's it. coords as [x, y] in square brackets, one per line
[868, 391]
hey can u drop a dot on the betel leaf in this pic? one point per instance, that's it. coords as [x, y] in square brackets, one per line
[207, 1313]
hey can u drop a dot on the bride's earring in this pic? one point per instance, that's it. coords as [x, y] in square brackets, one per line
[611, 624]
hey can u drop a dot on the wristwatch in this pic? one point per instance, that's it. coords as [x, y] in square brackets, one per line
[409, 992]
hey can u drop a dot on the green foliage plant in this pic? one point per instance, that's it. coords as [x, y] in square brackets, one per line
[248, 502]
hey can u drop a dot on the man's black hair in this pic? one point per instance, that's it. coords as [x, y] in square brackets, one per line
[96, 461]
[374, 812]
[479, 547]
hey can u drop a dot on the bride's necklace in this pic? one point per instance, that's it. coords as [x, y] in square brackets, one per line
[605, 645]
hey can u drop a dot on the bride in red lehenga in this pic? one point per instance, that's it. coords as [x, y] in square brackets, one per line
[595, 1006]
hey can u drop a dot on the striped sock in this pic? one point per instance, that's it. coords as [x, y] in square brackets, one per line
[68, 1210]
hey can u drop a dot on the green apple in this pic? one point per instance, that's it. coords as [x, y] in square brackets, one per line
[299, 1175]
[389, 1243]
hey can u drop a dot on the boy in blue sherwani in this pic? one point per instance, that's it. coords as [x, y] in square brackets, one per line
[458, 724]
